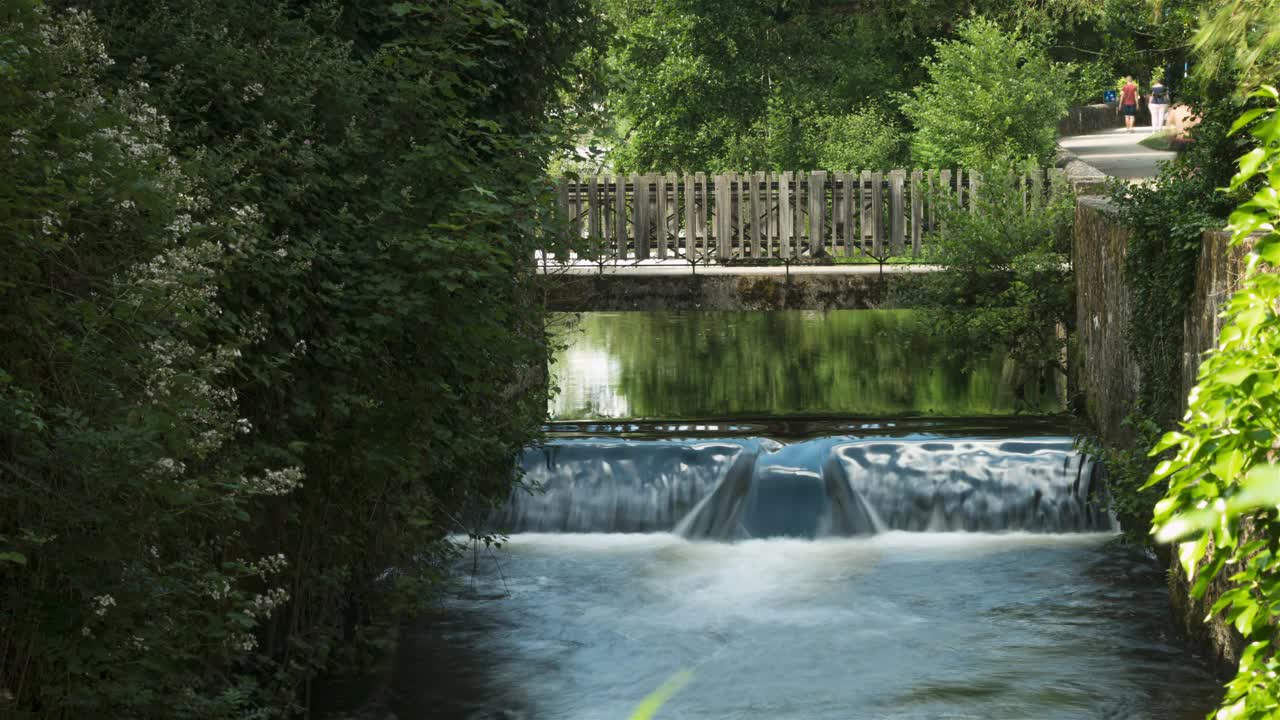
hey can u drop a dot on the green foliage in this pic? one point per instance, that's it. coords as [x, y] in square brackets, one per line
[1006, 278]
[271, 330]
[1090, 81]
[867, 138]
[121, 585]
[802, 137]
[697, 82]
[1240, 37]
[990, 95]
[1223, 478]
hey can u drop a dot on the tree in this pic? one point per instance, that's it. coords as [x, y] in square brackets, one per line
[990, 95]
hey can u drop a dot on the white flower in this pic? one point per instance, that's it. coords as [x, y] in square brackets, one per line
[170, 467]
[275, 482]
[103, 602]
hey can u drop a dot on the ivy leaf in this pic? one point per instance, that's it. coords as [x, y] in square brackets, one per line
[13, 557]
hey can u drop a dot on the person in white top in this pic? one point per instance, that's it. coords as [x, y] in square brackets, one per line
[1158, 101]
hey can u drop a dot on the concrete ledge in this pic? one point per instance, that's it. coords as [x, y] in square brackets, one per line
[829, 291]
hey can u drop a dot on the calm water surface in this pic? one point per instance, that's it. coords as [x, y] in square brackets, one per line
[718, 364]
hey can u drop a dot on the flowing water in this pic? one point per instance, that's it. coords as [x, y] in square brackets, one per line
[936, 561]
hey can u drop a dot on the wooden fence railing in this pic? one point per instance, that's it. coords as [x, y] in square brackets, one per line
[785, 215]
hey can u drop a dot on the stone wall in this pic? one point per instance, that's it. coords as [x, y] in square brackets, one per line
[1105, 372]
[618, 292]
[1106, 375]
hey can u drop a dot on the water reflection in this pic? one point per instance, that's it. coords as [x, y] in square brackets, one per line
[677, 365]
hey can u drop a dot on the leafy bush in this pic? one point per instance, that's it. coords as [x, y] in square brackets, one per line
[802, 137]
[990, 95]
[121, 586]
[1090, 80]
[1223, 498]
[866, 139]
[271, 331]
[1006, 279]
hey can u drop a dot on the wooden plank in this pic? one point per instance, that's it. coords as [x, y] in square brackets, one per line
[690, 225]
[877, 214]
[640, 216]
[1037, 188]
[701, 204]
[817, 211]
[975, 179]
[672, 223]
[847, 199]
[897, 212]
[562, 201]
[741, 212]
[834, 232]
[593, 216]
[751, 211]
[960, 195]
[620, 217]
[660, 217]
[769, 228]
[606, 207]
[798, 216]
[724, 215]
[864, 206]
[785, 218]
[575, 210]
[917, 211]
[932, 183]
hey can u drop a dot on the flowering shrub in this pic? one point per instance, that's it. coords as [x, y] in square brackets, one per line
[270, 332]
[118, 486]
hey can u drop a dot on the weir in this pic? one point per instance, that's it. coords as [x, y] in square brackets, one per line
[744, 488]
[821, 516]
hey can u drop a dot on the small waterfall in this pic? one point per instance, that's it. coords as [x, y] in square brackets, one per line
[835, 486]
[1038, 484]
[611, 485]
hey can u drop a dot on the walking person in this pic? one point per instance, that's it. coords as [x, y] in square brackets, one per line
[1159, 104]
[1128, 103]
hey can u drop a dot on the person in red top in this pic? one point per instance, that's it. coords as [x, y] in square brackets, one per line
[1129, 103]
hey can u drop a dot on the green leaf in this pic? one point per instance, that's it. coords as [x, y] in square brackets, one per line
[1244, 621]
[13, 557]
[1190, 554]
[1249, 164]
[1259, 488]
[1245, 118]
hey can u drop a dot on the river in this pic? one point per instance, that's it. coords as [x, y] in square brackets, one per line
[815, 516]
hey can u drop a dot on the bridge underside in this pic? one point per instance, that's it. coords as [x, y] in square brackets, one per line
[828, 291]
